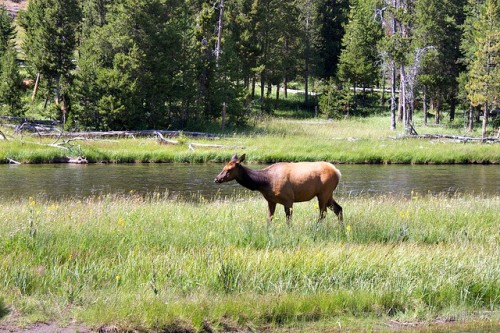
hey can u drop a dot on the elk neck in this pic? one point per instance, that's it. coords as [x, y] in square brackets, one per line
[254, 180]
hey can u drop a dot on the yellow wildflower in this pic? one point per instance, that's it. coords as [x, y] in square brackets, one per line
[404, 215]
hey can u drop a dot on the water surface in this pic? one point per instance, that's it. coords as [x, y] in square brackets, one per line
[57, 181]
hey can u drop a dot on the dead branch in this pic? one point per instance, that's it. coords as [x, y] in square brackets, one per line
[162, 140]
[58, 145]
[11, 161]
[70, 140]
[59, 137]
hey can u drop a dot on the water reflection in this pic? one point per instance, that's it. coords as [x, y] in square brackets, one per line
[194, 180]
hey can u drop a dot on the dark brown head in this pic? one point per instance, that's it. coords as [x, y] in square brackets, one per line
[230, 170]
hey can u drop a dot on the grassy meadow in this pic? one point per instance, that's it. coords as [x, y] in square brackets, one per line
[156, 264]
[354, 140]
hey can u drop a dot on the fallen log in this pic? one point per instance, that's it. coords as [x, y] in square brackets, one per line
[11, 161]
[77, 160]
[458, 138]
[191, 145]
[205, 145]
[131, 134]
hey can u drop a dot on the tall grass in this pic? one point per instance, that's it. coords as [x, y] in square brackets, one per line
[154, 263]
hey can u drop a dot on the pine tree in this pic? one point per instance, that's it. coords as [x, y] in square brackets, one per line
[398, 50]
[390, 48]
[288, 46]
[111, 70]
[10, 78]
[483, 86]
[242, 23]
[328, 30]
[359, 61]
[10, 83]
[50, 43]
[7, 30]
[438, 25]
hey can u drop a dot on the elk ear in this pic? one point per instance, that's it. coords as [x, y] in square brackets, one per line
[235, 157]
[242, 158]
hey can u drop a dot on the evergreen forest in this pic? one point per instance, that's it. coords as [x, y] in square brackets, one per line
[148, 64]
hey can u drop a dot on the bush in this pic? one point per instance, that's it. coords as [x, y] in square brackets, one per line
[336, 100]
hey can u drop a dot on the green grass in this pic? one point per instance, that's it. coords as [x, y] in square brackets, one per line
[355, 140]
[153, 263]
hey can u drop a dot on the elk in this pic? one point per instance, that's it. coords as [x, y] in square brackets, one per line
[286, 183]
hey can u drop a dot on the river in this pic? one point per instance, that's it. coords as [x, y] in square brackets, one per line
[56, 181]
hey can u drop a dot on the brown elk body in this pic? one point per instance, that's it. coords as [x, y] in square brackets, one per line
[286, 183]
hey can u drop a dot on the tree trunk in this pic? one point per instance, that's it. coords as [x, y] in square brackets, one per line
[393, 96]
[223, 122]
[393, 77]
[58, 100]
[400, 107]
[354, 100]
[285, 87]
[382, 96]
[64, 107]
[438, 111]
[35, 88]
[402, 97]
[453, 106]
[246, 82]
[219, 32]
[253, 87]
[262, 92]
[471, 119]
[485, 121]
[424, 105]
[306, 74]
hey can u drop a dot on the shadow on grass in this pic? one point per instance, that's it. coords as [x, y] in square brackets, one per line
[3, 309]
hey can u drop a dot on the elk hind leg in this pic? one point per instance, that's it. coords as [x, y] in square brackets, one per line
[337, 209]
[288, 213]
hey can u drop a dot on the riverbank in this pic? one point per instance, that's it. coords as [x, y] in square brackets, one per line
[356, 140]
[158, 264]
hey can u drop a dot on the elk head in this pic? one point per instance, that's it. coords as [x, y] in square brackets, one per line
[230, 170]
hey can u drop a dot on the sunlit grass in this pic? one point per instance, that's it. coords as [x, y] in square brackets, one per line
[153, 262]
[354, 140]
